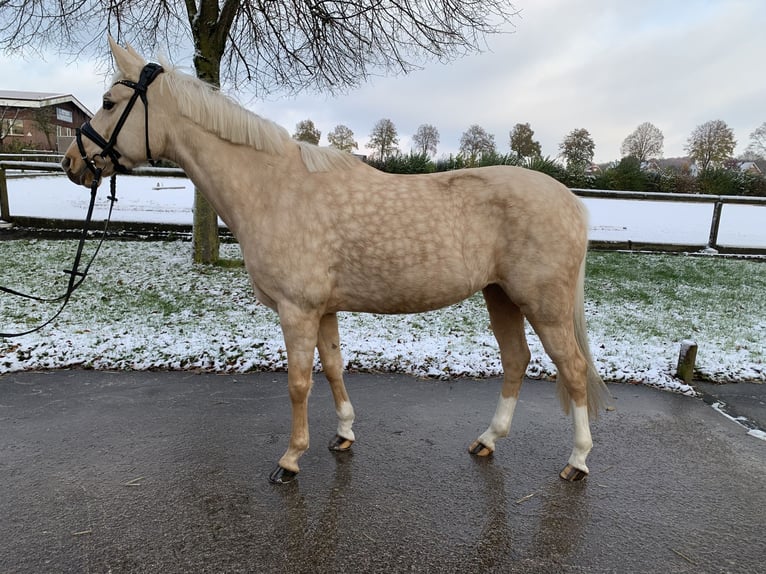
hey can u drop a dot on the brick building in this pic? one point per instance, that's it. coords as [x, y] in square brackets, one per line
[39, 121]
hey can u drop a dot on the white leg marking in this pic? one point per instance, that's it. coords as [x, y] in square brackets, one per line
[345, 419]
[582, 439]
[501, 422]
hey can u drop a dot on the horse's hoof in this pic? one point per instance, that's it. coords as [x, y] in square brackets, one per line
[282, 476]
[572, 474]
[340, 444]
[479, 449]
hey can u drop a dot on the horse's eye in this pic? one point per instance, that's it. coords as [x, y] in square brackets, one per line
[108, 105]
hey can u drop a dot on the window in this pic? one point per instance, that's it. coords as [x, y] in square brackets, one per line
[13, 127]
[64, 115]
[63, 132]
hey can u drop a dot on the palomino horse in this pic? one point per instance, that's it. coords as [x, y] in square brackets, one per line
[322, 232]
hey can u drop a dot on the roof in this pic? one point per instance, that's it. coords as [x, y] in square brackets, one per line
[749, 166]
[22, 99]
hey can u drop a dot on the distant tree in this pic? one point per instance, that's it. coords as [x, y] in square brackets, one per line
[577, 149]
[626, 175]
[450, 163]
[384, 139]
[426, 139]
[475, 143]
[414, 162]
[757, 147]
[750, 155]
[306, 131]
[546, 165]
[710, 144]
[44, 120]
[342, 138]
[522, 143]
[644, 143]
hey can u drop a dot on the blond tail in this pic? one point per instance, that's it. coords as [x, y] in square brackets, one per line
[599, 397]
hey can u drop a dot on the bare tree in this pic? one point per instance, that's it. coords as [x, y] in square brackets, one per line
[43, 118]
[522, 141]
[279, 45]
[8, 118]
[577, 149]
[646, 142]
[711, 144]
[757, 146]
[306, 131]
[476, 142]
[342, 138]
[426, 139]
[384, 139]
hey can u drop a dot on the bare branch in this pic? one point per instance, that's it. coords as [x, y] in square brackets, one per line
[270, 45]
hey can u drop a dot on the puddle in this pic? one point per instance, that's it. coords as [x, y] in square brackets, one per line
[752, 427]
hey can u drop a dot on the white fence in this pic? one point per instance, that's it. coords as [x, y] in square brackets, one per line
[636, 208]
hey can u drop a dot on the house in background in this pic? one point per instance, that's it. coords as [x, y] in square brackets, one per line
[39, 121]
[750, 167]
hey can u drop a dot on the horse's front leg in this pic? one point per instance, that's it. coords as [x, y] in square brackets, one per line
[300, 332]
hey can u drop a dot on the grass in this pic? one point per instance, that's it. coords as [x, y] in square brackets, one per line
[676, 296]
[145, 306]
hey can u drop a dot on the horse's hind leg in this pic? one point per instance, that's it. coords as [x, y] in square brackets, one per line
[508, 326]
[332, 364]
[558, 339]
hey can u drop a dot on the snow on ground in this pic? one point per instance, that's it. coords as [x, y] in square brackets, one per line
[230, 331]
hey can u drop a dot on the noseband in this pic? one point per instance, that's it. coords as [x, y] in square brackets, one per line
[108, 149]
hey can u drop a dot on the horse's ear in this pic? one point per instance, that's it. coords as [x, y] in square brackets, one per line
[128, 61]
[132, 50]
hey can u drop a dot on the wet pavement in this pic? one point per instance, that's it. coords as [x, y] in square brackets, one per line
[744, 402]
[166, 472]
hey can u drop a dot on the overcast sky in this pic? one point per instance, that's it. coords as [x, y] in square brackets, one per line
[602, 65]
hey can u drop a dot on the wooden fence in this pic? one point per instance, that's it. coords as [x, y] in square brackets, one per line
[718, 201]
[37, 166]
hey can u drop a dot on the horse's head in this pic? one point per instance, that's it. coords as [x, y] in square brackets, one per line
[117, 138]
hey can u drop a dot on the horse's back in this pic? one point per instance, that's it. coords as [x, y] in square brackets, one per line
[413, 243]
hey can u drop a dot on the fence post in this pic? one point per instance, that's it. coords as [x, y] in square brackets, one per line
[712, 241]
[686, 359]
[5, 214]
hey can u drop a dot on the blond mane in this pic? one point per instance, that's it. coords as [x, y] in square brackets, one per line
[209, 108]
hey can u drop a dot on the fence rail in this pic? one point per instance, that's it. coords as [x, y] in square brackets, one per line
[16, 165]
[677, 197]
[32, 156]
[718, 201]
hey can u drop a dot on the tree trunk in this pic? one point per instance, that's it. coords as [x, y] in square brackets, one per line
[205, 240]
[210, 26]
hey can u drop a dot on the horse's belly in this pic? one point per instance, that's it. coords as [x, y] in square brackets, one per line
[398, 303]
[410, 291]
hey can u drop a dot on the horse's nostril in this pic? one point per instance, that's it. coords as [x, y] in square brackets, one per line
[65, 163]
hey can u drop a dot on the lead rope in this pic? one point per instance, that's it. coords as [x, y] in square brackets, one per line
[76, 277]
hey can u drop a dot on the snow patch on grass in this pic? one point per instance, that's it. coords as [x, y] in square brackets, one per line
[144, 306]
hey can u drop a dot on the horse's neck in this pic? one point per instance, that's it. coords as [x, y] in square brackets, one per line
[219, 168]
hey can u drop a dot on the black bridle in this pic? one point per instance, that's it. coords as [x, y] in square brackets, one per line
[108, 149]
[148, 74]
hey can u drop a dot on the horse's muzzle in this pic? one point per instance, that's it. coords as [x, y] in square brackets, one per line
[77, 171]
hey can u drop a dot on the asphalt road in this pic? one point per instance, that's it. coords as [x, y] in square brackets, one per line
[166, 473]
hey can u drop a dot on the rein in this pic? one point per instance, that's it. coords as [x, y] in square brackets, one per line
[108, 149]
[76, 277]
